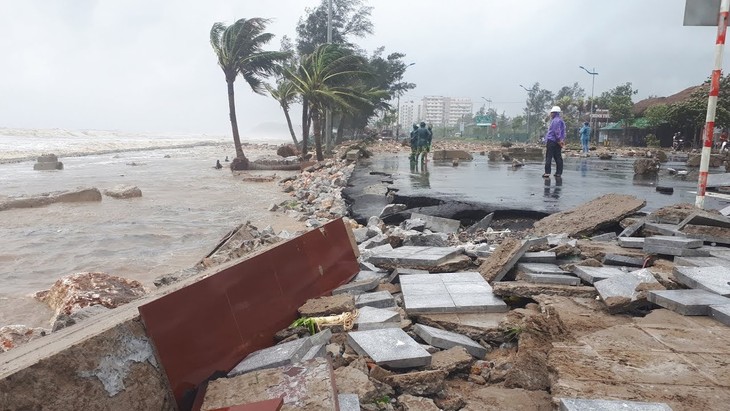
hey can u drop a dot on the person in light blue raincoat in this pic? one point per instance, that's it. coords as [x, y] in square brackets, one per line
[585, 136]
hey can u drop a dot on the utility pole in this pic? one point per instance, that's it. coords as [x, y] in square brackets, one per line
[528, 113]
[593, 84]
[328, 113]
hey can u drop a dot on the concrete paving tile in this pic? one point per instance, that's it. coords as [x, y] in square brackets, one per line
[428, 303]
[676, 251]
[438, 224]
[370, 318]
[721, 313]
[564, 279]
[622, 288]
[687, 302]
[623, 260]
[434, 287]
[467, 276]
[379, 299]
[446, 339]
[700, 261]
[537, 268]
[593, 274]
[631, 242]
[714, 279]
[468, 288]
[604, 238]
[390, 347]
[544, 257]
[357, 287]
[271, 357]
[663, 229]
[578, 404]
[365, 275]
[672, 241]
[483, 302]
[631, 230]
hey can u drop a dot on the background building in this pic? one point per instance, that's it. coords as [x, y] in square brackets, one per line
[409, 114]
[439, 110]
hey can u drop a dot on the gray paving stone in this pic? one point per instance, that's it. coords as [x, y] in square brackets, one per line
[322, 337]
[446, 339]
[721, 313]
[482, 224]
[428, 303]
[276, 356]
[465, 292]
[414, 255]
[463, 277]
[662, 229]
[687, 302]
[370, 318]
[349, 402]
[701, 217]
[675, 251]
[714, 279]
[391, 347]
[725, 211]
[467, 288]
[366, 266]
[418, 279]
[623, 260]
[379, 299]
[479, 303]
[316, 351]
[409, 271]
[632, 229]
[719, 252]
[700, 261]
[357, 287]
[593, 274]
[578, 404]
[439, 224]
[537, 268]
[563, 279]
[544, 257]
[369, 275]
[631, 242]
[619, 292]
[377, 241]
[671, 241]
[604, 238]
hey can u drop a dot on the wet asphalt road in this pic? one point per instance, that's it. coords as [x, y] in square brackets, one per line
[503, 187]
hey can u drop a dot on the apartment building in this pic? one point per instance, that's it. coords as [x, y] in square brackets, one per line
[439, 110]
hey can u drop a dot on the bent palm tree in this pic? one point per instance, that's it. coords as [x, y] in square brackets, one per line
[239, 48]
[285, 94]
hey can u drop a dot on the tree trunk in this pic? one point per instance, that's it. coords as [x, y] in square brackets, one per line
[316, 123]
[291, 128]
[305, 126]
[340, 129]
[234, 122]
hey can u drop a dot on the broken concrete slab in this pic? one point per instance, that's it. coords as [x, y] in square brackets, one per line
[276, 356]
[303, 386]
[623, 260]
[446, 339]
[714, 279]
[591, 216]
[410, 256]
[671, 241]
[408, 271]
[632, 229]
[578, 404]
[721, 313]
[497, 265]
[449, 293]
[361, 234]
[540, 268]
[687, 302]
[482, 224]
[530, 290]
[418, 383]
[708, 234]
[662, 229]
[626, 291]
[544, 257]
[700, 261]
[593, 274]
[378, 299]
[702, 217]
[349, 402]
[357, 287]
[366, 266]
[451, 155]
[675, 251]
[725, 211]
[365, 275]
[607, 237]
[391, 347]
[370, 318]
[552, 279]
[317, 351]
[631, 242]
[718, 180]
[438, 224]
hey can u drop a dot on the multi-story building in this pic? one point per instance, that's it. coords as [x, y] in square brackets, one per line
[439, 110]
[409, 114]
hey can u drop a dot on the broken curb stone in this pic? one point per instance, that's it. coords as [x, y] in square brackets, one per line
[671, 241]
[623, 260]
[631, 242]
[378, 299]
[446, 339]
[552, 279]
[370, 318]
[626, 291]
[714, 279]
[721, 313]
[391, 347]
[593, 274]
[687, 302]
[438, 224]
[544, 257]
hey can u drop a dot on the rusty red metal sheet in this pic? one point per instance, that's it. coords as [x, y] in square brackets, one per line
[208, 327]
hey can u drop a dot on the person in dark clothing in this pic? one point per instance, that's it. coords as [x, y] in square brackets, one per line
[554, 142]
[218, 165]
[414, 142]
[423, 136]
[430, 139]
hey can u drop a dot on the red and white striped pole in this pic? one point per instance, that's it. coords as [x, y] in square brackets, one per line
[712, 103]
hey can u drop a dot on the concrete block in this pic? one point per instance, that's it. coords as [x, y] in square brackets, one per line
[463, 277]
[687, 302]
[370, 318]
[379, 299]
[725, 211]
[465, 292]
[604, 238]
[482, 224]
[479, 303]
[390, 347]
[276, 356]
[701, 217]
[505, 257]
[366, 266]
[631, 242]
[438, 224]
[632, 229]
[670, 241]
[623, 260]
[721, 313]
[428, 303]
[543, 257]
[593, 274]
[675, 251]
[578, 404]
[321, 338]
[537, 268]
[662, 229]
[369, 275]
[349, 402]
[446, 339]
[317, 351]
[552, 279]
[415, 256]
[357, 287]
[714, 279]
[408, 271]
[620, 291]
[700, 261]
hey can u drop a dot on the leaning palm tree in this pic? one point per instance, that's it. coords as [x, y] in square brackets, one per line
[327, 78]
[285, 94]
[239, 48]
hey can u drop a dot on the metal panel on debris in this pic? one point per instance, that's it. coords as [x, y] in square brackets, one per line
[701, 12]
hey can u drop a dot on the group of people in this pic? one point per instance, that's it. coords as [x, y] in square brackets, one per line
[421, 138]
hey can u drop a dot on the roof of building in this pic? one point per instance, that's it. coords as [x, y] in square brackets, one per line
[641, 106]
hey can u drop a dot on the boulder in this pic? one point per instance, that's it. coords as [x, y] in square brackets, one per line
[48, 162]
[123, 191]
[287, 150]
[716, 160]
[646, 166]
[76, 291]
[12, 336]
[328, 305]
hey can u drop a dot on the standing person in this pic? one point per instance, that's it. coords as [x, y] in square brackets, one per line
[430, 139]
[414, 142]
[554, 142]
[422, 137]
[585, 136]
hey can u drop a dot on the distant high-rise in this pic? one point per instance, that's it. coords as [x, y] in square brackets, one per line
[439, 110]
[409, 111]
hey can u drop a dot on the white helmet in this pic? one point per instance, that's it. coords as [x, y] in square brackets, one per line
[555, 109]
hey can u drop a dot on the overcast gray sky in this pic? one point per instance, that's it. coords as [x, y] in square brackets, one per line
[146, 65]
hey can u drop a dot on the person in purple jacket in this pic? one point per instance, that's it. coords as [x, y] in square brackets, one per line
[554, 142]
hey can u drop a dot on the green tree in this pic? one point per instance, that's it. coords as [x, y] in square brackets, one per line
[538, 103]
[285, 93]
[350, 18]
[657, 115]
[619, 103]
[239, 48]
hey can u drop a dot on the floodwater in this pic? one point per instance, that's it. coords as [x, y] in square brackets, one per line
[504, 187]
[186, 207]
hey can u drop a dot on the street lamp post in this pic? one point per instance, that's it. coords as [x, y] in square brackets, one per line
[528, 114]
[397, 115]
[593, 84]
